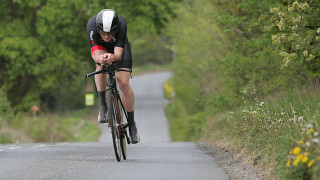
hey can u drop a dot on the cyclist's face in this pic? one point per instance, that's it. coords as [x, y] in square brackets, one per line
[106, 36]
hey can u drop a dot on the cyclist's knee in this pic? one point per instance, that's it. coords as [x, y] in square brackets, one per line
[123, 85]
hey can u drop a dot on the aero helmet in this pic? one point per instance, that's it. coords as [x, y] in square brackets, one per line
[107, 21]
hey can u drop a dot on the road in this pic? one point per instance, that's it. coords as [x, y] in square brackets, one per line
[155, 157]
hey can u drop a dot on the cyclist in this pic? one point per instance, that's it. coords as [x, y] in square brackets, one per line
[107, 33]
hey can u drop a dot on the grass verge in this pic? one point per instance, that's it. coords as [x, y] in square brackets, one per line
[70, 127]
[280, 134]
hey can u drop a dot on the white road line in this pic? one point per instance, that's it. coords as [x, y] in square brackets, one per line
[13, 148]
[39, 146]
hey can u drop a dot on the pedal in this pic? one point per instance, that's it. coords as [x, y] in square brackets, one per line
[125, 125]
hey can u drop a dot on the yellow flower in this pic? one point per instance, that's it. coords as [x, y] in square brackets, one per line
[296, 150]
[301, 142]
[288, 163]
[310, 131]
[305, 159]
[306, 154]
[310, 163]
[300, 156]
[318, 158]
[296, 162]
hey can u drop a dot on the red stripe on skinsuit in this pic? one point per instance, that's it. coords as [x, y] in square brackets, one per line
[97, 47]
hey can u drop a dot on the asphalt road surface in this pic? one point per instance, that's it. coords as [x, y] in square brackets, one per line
[154, 157]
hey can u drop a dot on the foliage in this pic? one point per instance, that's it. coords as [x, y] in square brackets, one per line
[251, 68]
[233, 56]
[230, 52]
[4, 139]
[69, 127]
[39, 42]
[150, 68]
[183, 125]
[6, 112]
[198, 55]
[274, 130]
[89, 132]
[146, 28]
[168, 89]
[45, 50]
[297, 41]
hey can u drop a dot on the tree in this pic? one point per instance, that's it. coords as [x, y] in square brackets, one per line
[45, 50]
[298, 36]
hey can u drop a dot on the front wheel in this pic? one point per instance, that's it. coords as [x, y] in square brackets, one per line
[123, 131]
[115, 126]
[123, 144]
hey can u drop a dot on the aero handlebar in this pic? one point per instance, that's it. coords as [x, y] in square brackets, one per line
[111, 67]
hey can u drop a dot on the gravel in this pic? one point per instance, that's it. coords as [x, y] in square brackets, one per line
[232, 164]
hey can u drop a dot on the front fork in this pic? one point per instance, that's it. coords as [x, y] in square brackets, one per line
[111, 91]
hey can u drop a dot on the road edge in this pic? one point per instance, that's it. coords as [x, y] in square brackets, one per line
[233, 165]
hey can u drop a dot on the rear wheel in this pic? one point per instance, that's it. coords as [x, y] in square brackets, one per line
[115, 131]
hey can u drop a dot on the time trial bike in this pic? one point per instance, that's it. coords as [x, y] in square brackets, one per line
[116, 110]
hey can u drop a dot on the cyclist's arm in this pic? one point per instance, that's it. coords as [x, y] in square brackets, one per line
[98, 56]
[118, 53]
[102, 56]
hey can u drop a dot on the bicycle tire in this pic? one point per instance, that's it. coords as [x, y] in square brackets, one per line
[123, 143]
[114, 125]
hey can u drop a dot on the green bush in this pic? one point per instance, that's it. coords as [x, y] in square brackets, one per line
[183, 125]
[6, 112]
[4, 139]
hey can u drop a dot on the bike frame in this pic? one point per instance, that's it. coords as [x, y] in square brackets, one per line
[112, 86]
[112, 83]
[114, 103]
[113, 90]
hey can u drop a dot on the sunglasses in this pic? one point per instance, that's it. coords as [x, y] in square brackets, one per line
[111, 33]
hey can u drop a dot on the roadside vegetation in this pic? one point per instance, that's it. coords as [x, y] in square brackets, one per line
[27, 128]
[246, 73]
[44, 53]
[246, 77]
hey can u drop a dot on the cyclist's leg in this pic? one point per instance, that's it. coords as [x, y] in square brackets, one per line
[101, 83]
[123, 77]
[127, 95]
[100, 80]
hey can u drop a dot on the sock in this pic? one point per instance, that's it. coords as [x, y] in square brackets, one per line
[131, 117]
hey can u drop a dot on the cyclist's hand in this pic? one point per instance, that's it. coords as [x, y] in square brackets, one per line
[109, 58]
[101, 59]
